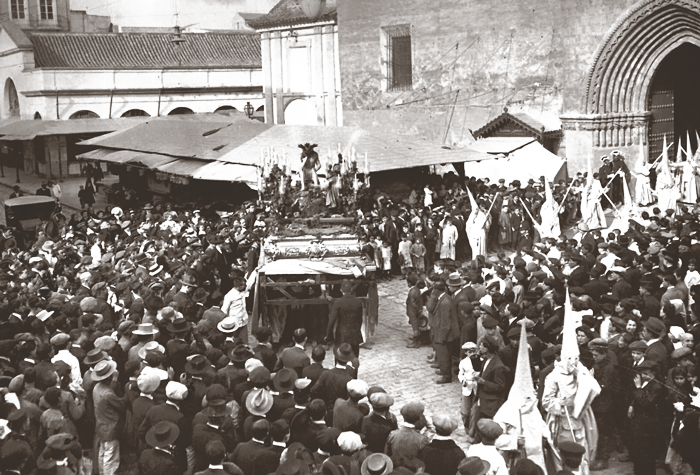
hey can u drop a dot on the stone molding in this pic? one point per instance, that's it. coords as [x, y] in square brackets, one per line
[624, 63]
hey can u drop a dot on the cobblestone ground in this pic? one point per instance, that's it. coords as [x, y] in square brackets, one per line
[407, 376]
[404, 372]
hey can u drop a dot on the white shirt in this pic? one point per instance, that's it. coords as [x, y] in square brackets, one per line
[76, 378]
[490, 454]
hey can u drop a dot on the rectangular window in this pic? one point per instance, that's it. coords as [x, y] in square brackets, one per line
[17, 9]
[46, 9]
[398, 57]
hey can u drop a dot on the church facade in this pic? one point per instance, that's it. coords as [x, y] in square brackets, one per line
[609, 75]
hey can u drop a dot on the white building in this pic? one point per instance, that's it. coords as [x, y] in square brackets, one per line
[300, 63]
[56, 63]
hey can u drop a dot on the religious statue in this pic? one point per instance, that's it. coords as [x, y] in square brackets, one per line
[311, 164]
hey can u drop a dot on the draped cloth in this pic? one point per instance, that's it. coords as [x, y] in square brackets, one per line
[572, 393]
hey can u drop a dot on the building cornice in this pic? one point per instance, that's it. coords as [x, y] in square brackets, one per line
[144, 91]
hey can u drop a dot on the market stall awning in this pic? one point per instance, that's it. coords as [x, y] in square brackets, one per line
[529, 161]
[30, 129]
[240, 140]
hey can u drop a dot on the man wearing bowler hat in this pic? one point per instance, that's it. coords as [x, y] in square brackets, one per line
[160, 459]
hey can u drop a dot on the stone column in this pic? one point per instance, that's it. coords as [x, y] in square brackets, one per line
[277, 67]
[268, 92]
[329, 74]
[317, 73]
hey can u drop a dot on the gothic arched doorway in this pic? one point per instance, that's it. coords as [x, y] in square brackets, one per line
[674, 101]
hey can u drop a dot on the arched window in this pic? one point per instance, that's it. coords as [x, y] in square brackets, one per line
[300, 112]
[181, 111]
[225, 108]
[136, 113]
[37, 116]
[84, 115]
[11, 100]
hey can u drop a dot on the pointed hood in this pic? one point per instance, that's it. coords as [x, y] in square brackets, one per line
[679, 153]
[569, 344]
[641, 158]
[688, 146]
[664, 177]
[522, 384]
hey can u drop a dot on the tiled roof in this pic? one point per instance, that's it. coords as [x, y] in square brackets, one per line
[146, 50]
[523, 120]
[289, 13]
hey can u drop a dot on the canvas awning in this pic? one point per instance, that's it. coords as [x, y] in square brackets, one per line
[530, 160]
[190, 168]
[240, 140]
[30, 129]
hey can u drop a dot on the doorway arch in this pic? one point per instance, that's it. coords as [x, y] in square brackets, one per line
[618, 90]
[300, 112]
[624, 65]
[11, 100]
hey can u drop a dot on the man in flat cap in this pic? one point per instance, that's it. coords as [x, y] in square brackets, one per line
[442, 454]
[348, 414]
[376, 427]
[406, 442]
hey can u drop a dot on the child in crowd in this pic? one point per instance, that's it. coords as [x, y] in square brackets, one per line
[467, 376]
[405, 259]
[386, 258]
[418, 255]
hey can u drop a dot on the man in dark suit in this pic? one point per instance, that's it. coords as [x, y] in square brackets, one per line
[160, 460]
[377, 426]
[652, 333]
[347, 313]
[170, 411]
[348, 414]
[202, 434]
[444, 329]
[442, 455]
[332, 384]
[244, 455]
[215, 453]
[315, 369]
[268, 460]
[264, 351]
[307, 426]
[491, 389]
[295, 357]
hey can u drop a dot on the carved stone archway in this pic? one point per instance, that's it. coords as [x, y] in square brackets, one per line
[617, 89]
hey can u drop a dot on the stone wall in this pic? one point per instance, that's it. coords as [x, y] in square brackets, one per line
[530, 55]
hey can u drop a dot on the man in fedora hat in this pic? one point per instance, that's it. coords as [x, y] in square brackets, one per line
[170, 411]
[182, 345]
[144, 333]
[332, 384]
[110, 411]
[347, 314]
[202, 434]
[283, 381]
[160, 459]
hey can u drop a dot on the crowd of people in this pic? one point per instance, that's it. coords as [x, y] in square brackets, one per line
[124, 342]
